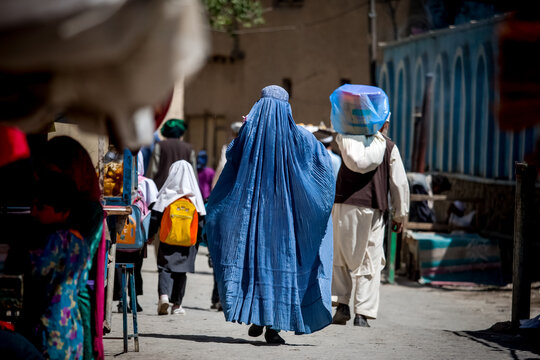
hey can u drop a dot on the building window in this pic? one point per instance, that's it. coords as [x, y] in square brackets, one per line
[288, 3]
[287, 85]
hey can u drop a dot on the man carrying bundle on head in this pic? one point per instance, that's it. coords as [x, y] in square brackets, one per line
[168, 151]
[371, 170]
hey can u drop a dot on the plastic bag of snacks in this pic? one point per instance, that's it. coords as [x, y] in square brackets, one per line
[358, 109]
[114, 174]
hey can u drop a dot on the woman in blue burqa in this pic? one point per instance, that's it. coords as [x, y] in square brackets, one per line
[268, 224]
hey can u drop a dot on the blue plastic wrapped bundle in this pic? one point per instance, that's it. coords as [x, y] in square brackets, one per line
[358, 109]
[268, 224]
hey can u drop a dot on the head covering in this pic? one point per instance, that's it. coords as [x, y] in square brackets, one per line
[324, 136]
[180, 183]
[147, 187]
[68, 156]
[268, 224]
[358, 109]
[13, 145]
[140, 164]
[202, 159]
[235, 126]
[173, 128]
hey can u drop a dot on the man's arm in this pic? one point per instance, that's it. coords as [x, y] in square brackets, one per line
[399, 190]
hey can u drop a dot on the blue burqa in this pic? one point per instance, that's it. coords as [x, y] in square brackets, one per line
[268, 224]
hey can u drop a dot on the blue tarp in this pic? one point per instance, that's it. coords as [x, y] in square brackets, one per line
[268, 224]
[358, 109]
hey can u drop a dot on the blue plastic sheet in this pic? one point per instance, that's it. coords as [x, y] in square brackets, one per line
[268, 224]
[358, 109]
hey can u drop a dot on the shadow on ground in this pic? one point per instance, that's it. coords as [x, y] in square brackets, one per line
[215, 339]
[501, 338]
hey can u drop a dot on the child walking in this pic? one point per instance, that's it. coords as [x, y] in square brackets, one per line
[179, 204]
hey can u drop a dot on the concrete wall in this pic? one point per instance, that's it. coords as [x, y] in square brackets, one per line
[315, 46]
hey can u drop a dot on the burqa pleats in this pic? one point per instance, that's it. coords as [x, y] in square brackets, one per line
[268, 224]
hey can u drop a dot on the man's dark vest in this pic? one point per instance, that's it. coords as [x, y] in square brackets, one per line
[368, 190]
[170, 151]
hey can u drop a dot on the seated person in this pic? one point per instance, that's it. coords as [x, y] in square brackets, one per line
[422, 211]
[51, 319]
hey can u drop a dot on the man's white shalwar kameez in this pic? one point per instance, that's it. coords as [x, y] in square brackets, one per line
[359, 231]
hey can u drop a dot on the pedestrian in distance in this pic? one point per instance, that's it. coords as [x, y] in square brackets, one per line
[170, 150]
[146, 197]
[326, 138]
[205, 174]
[371, 171]
[235, 128]
[268, 224]
[175, 218]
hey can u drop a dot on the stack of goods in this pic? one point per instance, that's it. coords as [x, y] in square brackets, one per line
[359, 109]
[113, 181]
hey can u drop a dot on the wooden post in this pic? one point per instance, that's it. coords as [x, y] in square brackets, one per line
[523, 223]
[111, 261]
[422, 128]
[425, 123]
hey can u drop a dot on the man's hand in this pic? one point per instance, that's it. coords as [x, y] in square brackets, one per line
[397, 227]
[150, 240]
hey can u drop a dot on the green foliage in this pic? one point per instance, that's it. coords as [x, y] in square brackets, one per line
[230, 15]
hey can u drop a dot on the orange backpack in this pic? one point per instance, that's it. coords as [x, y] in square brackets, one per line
[179, 224]
[132, 235]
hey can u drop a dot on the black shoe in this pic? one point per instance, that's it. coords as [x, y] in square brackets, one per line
[272, 337]
[255, 330]
[342, 315]
[120, 307]
[139, 308]
[360, 320]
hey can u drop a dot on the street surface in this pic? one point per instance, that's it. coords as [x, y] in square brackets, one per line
[415, 322]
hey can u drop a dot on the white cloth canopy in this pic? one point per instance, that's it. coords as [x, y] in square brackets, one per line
[96, 61]
[180, 183]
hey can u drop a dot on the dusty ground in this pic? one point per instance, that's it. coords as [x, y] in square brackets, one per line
[415, 322]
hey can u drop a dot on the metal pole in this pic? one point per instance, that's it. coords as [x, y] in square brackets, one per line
[119, 225]
[523, 218]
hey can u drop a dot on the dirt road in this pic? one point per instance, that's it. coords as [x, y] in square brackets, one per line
[415, 322]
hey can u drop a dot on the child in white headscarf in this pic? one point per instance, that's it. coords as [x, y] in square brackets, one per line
[175, 261]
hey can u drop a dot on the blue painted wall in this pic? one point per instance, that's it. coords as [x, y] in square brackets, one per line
[464, 137]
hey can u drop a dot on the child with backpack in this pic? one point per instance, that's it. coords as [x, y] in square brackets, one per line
[179, 204]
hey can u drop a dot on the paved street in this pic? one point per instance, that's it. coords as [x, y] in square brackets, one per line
[415, 322]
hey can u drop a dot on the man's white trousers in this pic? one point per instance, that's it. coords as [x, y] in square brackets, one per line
[358, 257]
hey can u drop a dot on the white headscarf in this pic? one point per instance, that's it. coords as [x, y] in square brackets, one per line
[180, 183]
[147, 186]
[140, 164]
